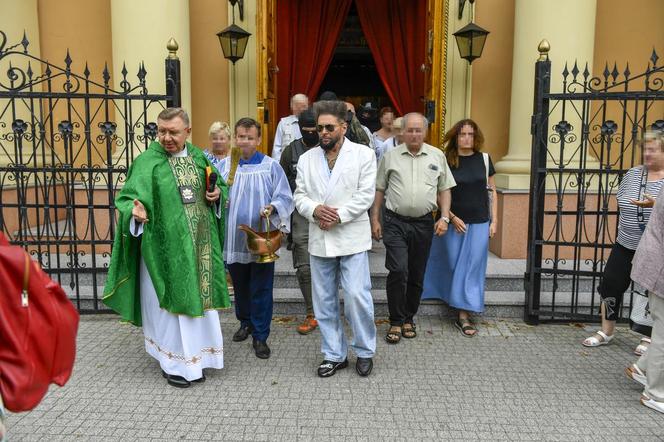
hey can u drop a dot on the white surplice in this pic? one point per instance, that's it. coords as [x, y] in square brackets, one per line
[183, 345]
[257, 183]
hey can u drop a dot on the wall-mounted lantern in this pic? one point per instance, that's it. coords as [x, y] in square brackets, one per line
[471, 38]
[234, 39]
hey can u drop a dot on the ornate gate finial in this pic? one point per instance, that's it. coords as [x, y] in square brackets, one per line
[172, 47]
[544, 47]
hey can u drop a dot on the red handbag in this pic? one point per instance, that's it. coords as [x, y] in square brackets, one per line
[38, 326]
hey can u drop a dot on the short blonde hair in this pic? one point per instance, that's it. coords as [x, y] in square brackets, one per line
[219, 126]
[398, 123]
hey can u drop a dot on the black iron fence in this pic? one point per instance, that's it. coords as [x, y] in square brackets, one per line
[585, 136]
[66, 142]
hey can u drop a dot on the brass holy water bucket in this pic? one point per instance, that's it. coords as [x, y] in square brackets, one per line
[264, 244]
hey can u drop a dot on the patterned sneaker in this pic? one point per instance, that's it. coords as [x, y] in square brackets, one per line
[328, 368]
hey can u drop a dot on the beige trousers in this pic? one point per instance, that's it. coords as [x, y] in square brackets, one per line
[652, 362]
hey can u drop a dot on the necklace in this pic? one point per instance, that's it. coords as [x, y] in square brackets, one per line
[331, 161]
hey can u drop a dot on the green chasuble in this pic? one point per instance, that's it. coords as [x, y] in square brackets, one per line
[182, 243]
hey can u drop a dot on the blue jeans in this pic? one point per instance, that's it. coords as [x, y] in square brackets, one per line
[253, 296]
[353, 273]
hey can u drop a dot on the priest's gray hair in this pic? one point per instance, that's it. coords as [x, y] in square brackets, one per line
[335, 108]
[172, 112]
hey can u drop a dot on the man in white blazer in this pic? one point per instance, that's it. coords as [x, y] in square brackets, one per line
[335, 188]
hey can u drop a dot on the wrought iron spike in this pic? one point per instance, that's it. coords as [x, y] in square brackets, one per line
[614, 72]
[25, 42]
[29, 71]
[106, 75]
[141, 72]
[575, 69]
[124, 71]
[627, 72]
[48, 69]
[86, 71]
[606, 72]
[654, 57]
[68, 59]
[565, 71]
[586, 72]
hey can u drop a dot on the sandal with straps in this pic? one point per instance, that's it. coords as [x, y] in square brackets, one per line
[465, 327]
[393, 335]
[592, 341]
[409, 330]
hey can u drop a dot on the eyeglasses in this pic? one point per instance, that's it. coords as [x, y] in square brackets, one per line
[327, 127]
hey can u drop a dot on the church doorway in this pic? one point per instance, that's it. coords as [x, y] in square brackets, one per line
[385, 52]
[352, 59]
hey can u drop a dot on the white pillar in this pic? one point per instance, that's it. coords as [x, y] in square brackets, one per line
[140, 31]
[569, 26]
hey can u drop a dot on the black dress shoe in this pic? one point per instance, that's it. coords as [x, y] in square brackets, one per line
[199, 380]
[328, 368]
[241, 334]
[261, 349]
[176, 381]
[363, 366]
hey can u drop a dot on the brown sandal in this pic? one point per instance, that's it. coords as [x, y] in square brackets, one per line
[409, 331]
[393, 335]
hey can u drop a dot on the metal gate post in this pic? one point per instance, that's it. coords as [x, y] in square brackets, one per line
[539, 131]
[173, 75]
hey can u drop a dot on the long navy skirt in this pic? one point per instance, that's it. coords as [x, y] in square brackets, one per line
[456, 269]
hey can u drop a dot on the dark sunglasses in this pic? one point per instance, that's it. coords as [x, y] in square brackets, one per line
[327, 127]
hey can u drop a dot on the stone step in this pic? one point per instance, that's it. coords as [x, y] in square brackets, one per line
[288, 301]
[288, 280]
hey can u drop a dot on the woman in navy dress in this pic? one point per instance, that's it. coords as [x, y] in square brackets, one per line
[456, 269]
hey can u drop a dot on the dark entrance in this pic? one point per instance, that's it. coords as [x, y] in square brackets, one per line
[352, 74]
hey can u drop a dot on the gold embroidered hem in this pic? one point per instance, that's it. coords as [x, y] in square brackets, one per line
[182, 358]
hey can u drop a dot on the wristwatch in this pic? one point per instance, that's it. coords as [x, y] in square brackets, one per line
[446, 219]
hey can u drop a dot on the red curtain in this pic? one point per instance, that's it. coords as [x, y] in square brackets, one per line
[306, 38]
[396, 33]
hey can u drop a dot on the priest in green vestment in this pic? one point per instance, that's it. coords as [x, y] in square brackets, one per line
[167, 272]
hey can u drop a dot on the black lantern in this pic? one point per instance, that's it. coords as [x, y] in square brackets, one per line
[470, 41]
[234, 39]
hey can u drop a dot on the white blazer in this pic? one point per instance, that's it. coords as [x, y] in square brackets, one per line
[350, 189]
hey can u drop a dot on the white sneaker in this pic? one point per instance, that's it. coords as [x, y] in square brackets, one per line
[651, 403]
[634, 372]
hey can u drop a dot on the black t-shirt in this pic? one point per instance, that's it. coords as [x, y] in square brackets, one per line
[470, 199]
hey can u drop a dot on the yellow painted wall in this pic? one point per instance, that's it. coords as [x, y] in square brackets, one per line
[492, 75]
[16, 18]
[83, 27]
[209, 68]
[141, 30]
[627, 32]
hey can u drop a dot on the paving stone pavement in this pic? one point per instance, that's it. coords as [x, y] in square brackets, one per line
[512, 382]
